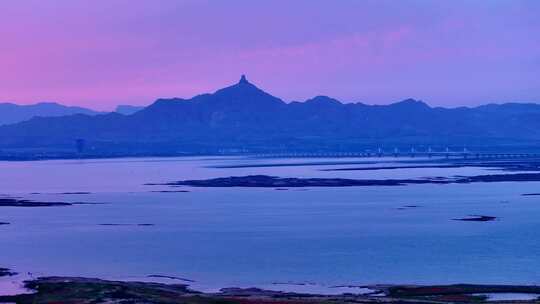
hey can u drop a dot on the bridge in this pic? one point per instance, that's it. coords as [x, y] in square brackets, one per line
[465, 154]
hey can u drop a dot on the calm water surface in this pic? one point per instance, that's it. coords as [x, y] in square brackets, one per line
[258, 237]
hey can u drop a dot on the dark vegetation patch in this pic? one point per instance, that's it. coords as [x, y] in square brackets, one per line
[516, 177]
[265, 181]
[290, 182]
[86, 291]
[116, 224]
[14, 202]
[406, 207]
[477, 218]
[459, 289]
[86, 203]
[5, 272]
[75, 193]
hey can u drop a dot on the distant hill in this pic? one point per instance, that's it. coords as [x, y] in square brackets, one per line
[127, 109]
[243, 117]
[13, 113]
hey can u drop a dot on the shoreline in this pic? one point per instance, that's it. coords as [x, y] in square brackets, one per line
[93, 290]
[18, 279]
[281, 183]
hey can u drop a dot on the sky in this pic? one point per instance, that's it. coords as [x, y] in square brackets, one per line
[101, 53]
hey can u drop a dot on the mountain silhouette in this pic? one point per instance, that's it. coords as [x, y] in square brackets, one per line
[242, 117]
[13, 113]
[127, 109]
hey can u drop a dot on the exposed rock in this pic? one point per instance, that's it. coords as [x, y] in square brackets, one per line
[14, 202]
[477, 218]
[5, 272]
[115, 224]
[74, 193]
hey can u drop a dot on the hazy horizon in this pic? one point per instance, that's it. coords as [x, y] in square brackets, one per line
[99, 55]
[114, 106]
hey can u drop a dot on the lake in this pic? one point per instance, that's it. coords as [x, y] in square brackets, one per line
[304, 239]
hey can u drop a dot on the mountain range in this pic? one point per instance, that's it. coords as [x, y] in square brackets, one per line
[12, 113]
[244, 118]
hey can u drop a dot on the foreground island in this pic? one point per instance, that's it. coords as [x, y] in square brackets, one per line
[88, 290]
[266, 181]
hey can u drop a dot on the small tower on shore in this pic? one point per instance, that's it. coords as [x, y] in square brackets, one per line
[80, 143]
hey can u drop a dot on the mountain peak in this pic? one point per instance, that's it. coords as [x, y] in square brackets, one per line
[411, 103]
[243, 80]
[323, 100]
[241, 94]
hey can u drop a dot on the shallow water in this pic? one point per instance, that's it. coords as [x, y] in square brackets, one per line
[510, 296]
[312, 238]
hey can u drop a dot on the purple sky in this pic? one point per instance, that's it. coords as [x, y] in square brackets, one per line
[103, 53]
